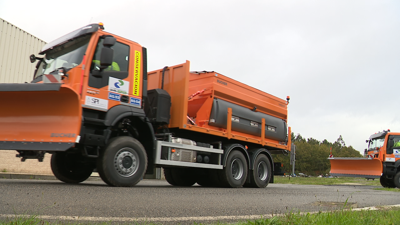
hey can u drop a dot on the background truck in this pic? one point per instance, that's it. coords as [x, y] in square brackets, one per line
[94, 107]
[381, 160]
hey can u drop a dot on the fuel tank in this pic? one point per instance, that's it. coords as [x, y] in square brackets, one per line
[247, 121]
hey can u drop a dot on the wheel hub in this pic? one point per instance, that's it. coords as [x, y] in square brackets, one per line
[237, 169]
[262, 171]
[126, 162]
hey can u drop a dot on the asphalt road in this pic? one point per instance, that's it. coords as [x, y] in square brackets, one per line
[157, 202]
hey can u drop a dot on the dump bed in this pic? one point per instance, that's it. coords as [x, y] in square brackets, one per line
[211, 103]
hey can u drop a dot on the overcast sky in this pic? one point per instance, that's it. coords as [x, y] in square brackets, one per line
[337, 60]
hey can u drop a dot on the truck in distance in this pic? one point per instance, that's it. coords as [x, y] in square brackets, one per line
[382, 160]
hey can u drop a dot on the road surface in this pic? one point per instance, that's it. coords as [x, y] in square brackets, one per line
[157, 202]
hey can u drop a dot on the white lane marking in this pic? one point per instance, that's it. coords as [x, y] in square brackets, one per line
[172, 219]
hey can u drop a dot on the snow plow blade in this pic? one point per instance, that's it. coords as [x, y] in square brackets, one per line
[39, 117]
[356, 167]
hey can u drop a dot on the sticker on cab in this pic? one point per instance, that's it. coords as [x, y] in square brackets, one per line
[137, 102]
[390, 159]
[118, 86]
[114, 96]
[96, 102]
[136, 75]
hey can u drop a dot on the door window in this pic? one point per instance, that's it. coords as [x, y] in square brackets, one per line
[118, 69]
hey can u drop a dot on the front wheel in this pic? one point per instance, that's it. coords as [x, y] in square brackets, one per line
[123, 163]
[70, 168]
[261, 175]
[396, 180]
[387, 183]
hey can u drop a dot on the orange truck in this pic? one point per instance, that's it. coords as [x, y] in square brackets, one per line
[382, 160]
[94, 107]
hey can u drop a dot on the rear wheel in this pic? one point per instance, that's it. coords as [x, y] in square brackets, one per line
[123, 162]
[396, 180]
[70, 168]
[261, 175]
[236, 170]
[180, 176]
[388, 183]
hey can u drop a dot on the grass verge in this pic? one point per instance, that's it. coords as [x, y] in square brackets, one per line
[363, 217]
[391, 216]
[326, 181]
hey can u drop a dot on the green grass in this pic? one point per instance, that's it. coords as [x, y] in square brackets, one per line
[325, 181]
[24, 220]
[388, 189]
[370, 217]
[340, 217]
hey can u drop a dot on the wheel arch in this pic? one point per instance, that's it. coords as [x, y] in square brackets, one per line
[145, 133]
[397, 166]
[235, 146]
[116, 113]
[257, 151]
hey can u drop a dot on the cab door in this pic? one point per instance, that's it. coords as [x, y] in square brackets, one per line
[114, 84]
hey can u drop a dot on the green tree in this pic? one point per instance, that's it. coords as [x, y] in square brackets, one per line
[312, 155]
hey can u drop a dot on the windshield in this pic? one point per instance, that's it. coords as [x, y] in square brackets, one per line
[376, 143]
[67, 55]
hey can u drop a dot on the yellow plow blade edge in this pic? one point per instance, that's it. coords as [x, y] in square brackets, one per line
[39, 117]
[356, 167]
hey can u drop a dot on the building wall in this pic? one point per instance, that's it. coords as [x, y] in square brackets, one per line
[16, 46]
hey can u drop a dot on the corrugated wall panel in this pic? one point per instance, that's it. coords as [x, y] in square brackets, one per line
[2, 43]
[16, 46]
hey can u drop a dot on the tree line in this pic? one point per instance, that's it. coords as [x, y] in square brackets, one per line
[312, 155]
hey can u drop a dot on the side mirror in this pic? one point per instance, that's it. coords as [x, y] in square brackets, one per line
[390, 144]
[107, 54]
[32, 58]
[389, 149]
[106, 57]
[109, 41]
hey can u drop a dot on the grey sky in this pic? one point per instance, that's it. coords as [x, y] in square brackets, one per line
[337, 60]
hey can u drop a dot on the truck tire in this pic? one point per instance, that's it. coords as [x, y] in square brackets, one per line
[70, 168]
[235, 172]
[123, 162]
[396, 179]
[168, 176]
[208, 178]
[261, 175]
[387, 183]
[180, 176]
